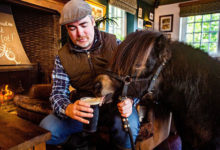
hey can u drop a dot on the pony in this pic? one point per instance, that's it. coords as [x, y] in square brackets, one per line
[169, 76]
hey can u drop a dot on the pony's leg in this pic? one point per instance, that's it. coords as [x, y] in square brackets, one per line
[218, 143]
[217, 140]
[173, 142]
[161, 130]
[213, 145]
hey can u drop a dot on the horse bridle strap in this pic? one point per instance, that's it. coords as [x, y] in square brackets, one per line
[128, 79]
[153, 81]
[149, 91]
[124, 78]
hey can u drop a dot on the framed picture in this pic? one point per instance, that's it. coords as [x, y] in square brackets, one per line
[98, 11]
[140, 12]
[166, 23]
[140, 23]
[151, 16]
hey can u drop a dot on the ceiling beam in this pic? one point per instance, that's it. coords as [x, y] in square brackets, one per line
[51, 4]
[48, 5]
[197, 2]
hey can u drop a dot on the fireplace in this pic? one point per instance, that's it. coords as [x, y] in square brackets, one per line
[6, 93]
[6, 97]
[39, 34]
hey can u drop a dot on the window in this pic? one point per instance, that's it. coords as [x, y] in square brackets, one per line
[202, 31]
[119, 16]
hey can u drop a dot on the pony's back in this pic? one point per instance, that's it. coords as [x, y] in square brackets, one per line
[194, 84]
[196, 67]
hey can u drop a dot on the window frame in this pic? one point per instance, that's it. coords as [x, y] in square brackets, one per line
[122, 22]
[183, 32]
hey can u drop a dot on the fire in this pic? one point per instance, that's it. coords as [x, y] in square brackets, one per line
[6, 94]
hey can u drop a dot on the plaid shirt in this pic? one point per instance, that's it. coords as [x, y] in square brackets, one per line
[60, 92]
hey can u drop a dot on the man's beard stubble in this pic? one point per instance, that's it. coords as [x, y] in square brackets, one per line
[83, 46]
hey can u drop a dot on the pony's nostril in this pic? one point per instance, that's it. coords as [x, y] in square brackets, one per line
[98, 86]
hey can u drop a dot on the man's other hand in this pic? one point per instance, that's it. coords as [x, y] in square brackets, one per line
[125, 107]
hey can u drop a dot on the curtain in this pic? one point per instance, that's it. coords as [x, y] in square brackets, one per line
[128, 5]
[199, 8]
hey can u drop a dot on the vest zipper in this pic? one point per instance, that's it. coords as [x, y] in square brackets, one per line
[90, 63]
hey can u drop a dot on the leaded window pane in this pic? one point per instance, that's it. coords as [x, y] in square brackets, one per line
[190, 27]
[198, 27]
[202, 31]
[205, 27]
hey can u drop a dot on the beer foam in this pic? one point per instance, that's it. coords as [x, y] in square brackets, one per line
[92, 101]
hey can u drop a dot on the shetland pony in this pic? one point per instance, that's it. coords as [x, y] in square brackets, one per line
[187, 84]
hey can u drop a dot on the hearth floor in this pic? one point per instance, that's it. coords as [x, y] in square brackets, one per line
[8, 106]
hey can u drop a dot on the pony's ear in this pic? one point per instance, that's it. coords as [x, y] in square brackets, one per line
[162, 48]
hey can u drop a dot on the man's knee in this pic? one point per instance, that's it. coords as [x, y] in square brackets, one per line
[50, 122]
[54, 125]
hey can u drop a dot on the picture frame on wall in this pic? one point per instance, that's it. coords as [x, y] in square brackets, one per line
[166, 23]
[151, 16]
[98, 11]
[140, 12]
[140, 23]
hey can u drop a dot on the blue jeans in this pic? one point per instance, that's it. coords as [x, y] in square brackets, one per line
[61, 129]
[120, 137]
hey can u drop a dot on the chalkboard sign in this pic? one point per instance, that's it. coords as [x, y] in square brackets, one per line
[11, 49]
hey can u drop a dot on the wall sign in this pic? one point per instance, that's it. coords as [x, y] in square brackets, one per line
[11, 49]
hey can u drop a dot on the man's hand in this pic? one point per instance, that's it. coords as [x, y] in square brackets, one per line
[78, 110]
[125, 107]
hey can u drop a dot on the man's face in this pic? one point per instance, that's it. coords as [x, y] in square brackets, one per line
[82, 32]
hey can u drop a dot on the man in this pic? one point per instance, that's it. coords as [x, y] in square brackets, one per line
[86, 54]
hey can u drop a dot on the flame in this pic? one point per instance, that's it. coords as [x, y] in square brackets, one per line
[6, 94]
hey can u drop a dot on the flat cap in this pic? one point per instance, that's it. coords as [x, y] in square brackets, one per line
[74, 10]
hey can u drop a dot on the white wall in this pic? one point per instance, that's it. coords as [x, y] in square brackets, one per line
[167, 10]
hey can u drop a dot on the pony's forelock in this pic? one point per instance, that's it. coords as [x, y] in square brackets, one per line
[138, 44]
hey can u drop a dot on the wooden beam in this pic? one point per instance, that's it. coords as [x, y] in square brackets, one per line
[53, 6]
[196, 2]
[50, 4]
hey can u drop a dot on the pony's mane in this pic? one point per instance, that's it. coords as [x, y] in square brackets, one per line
[134, 51]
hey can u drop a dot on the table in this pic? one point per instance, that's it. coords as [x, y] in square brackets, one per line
[19, 134]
